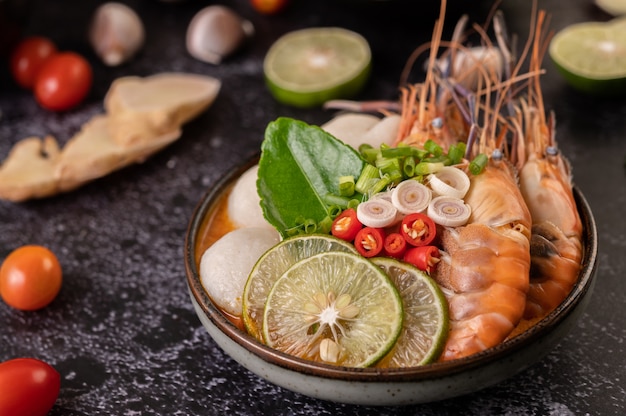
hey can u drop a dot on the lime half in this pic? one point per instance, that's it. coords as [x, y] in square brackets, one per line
[613, 7]
[308, 67]
[592, 56]
[426, 321]
[336, 308]
[272, 264]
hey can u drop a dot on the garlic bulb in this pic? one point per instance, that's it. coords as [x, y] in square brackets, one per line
[216, 32]
[116, 33]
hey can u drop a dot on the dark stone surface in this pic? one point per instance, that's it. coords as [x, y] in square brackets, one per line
[122, 331]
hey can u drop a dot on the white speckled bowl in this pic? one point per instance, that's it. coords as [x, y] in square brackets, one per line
[372, 386]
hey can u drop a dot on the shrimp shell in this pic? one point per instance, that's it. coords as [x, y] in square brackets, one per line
[485, 265]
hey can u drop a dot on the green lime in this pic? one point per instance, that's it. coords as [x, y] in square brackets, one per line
[272, 264]
[613, 7]
[336, 308]
[592, 56]
[426, 321]
[308, 67]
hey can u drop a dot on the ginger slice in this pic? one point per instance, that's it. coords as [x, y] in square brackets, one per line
[93, 153]
[143, 107]
[28, 170]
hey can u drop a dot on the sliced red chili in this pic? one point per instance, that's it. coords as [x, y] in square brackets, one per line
[369, 241]
[418, 229]
[424, 258]
[395, 245]
[346, 225]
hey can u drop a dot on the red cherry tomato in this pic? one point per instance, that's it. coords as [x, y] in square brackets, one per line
[63, 81]
[28, 387]
[30, 278]
[28, 57]
[346, 225]
[395, 245]
[418, 229]
[269, 6]
[369, 241]
[424, 258]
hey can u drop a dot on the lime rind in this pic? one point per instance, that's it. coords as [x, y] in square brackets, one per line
[426, 320]
[308, 67]
[363, 338]
[270, 267]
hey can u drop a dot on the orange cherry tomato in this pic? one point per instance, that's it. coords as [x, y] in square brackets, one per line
[63, 81]
[28, 387]
[28, 57]
[269, 6]
[30, 277]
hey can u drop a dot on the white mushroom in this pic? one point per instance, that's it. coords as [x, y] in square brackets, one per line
[216, 32]
[244, 203]
[355, 129]
[116, 33]
[225, 266]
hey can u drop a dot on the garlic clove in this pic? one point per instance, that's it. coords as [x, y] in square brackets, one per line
[116, 33]
[216, 32]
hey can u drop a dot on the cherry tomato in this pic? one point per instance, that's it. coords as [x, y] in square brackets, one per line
[346, 225]
[395, 245]
[269, 6]
[28, 57]
[418, 229]
[63, 81]
[424, 258]
[369, 241]
[28, 387]
[30, 278]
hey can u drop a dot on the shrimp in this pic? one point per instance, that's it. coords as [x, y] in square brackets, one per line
[484, 265]
[546, 184]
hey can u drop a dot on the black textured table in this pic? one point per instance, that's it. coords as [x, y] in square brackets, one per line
[122, 331]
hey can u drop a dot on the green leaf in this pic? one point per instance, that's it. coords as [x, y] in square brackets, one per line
[299, 165]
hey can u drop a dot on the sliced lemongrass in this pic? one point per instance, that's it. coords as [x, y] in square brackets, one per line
[411, 196]
[449, 211]
[377, 213]
[449, 181]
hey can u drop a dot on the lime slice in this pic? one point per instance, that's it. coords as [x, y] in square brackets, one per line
[426, 321]
[272, 264]
[613, 7]
[308, 67]
[336, 308]
[592, 56]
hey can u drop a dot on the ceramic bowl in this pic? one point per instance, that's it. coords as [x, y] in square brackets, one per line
[372, 386]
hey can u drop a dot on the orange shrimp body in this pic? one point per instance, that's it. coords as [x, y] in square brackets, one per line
[556, 246]
[545, 182]
[485, 265]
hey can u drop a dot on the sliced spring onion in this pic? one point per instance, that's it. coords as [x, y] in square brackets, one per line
[424, 168]
[448, 211]
[346, 185]
[449, 181]
[477, 165]
[411, 196]
[376, 213]
[369, 173]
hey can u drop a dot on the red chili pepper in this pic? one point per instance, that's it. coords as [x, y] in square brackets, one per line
[346, 225]
[395, 245]
[424, 258]
[369, 241]
[418, 229]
